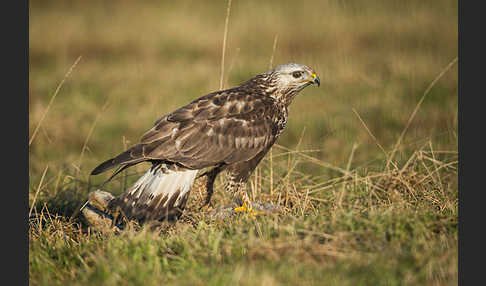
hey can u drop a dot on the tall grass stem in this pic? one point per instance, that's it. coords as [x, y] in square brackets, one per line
[38, 189]
[225, 36]
[52, 99]
[417, 107]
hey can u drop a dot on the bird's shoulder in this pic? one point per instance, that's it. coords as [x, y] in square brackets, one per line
[234, 102]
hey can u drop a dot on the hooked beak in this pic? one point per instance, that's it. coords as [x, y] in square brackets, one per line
[315, 79]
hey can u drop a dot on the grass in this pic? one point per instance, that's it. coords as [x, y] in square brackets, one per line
[366, 170]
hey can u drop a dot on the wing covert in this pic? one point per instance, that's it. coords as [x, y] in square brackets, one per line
[224, 127]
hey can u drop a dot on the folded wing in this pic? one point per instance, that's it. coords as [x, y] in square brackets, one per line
[222, 127]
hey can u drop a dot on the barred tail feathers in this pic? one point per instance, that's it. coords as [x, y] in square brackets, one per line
[157, 195]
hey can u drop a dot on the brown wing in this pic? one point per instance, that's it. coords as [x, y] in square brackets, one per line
[222, 127]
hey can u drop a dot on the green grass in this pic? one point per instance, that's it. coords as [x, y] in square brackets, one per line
[140, 60]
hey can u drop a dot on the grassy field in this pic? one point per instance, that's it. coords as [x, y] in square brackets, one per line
[366, 170]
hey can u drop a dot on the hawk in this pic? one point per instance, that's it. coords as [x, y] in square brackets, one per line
[228, 130]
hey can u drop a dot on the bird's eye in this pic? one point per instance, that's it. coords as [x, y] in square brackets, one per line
[297, 74]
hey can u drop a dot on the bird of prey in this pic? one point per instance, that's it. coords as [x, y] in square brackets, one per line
[228, 130]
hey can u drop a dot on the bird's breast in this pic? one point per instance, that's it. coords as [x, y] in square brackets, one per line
[281, 121]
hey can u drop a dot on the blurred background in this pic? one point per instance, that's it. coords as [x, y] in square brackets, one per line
[142, 59]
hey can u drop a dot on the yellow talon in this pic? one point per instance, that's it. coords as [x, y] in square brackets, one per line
[242, 208]
[249, 210]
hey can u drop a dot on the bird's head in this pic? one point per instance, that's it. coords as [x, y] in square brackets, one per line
[287, 80]
[295, 75]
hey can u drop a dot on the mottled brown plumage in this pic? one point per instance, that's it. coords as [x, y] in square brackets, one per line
[229, 130]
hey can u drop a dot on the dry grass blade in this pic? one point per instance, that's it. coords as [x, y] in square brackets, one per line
[314, 160]
[89, 135]
[369, 132]
[38, 189]
[52, 99]
[436, 165]
[275, 39]
[425, 157]
[436, 171]
[224, 43]
[348, 166]
[345, 179]
[235, 57]
[417, 107]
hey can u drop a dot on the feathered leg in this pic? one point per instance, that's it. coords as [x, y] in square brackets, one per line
[237, 190]
[211, 177]
[238, 175]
